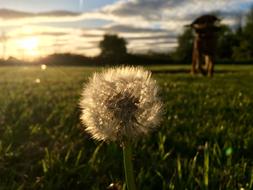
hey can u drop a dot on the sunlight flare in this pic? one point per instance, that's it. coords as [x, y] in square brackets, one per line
[29, 43]
[29, 47]
[43, 67]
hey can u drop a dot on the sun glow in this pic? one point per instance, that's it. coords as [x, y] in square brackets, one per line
[29, 43]
[29, 47]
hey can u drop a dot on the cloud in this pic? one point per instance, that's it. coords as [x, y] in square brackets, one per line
[146, 24]
[52, 33]
[30, 30]
[7, 14]
[148, 9]
[177, 12]
[11, 14]
[169, 15]
[131, 29]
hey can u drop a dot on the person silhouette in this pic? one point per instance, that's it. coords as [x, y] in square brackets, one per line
[204, 44]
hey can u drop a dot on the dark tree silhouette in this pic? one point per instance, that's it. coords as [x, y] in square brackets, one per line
[244, 52]
[184, 48]
[227, 40]
[113, 48]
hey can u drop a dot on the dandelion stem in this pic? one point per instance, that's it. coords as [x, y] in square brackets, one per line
[128, 165]
[206, 165]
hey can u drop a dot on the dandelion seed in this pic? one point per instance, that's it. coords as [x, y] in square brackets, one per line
[37, 81]
[43, 67]
[120, 103]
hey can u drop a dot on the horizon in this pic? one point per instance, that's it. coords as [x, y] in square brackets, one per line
[32, 29]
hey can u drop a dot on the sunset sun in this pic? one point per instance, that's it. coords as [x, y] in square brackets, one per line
[29, 46]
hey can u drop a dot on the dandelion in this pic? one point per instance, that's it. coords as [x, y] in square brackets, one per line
[121, 105]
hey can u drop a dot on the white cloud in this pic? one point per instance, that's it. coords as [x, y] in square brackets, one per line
[146, 24]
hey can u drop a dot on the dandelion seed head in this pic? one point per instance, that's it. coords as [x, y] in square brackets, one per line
[120, 103]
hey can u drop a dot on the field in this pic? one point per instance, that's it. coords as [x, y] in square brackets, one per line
[204, 142]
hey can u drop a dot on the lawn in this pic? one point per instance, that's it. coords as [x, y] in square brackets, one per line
[204, 142]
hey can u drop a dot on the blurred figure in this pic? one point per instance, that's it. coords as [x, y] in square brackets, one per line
[204, 45]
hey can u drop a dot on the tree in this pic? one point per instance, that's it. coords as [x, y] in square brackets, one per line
[249, 24]
[113, 48]
[244, 51]
[227, 41]
[185, 46]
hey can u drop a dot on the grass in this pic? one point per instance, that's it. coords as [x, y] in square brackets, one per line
[205, 141]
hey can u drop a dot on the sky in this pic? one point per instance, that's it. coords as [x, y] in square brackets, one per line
[31, 29]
